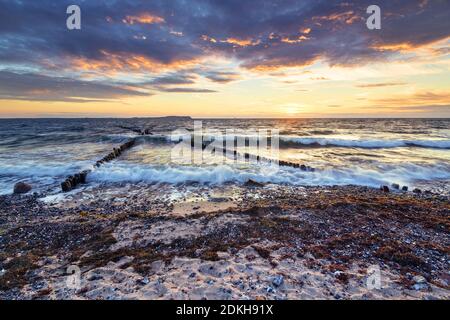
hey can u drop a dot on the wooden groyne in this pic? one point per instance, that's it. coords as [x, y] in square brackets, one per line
[80, 178]
[248, 156]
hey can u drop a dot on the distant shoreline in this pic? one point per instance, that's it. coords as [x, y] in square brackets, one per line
[223, 118]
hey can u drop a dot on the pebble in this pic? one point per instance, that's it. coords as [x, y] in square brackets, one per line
[95, 277]
[420, 286]
[278, 281]
[419, 279]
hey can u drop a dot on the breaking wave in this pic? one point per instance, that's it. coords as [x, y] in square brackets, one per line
[216, 175]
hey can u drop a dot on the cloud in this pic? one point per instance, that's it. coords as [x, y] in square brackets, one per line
[260, 34]
[221, 76]
[155, 38]
[187, 90]
[418, 98]
[381, 84]
[36, 87]
[143, 18]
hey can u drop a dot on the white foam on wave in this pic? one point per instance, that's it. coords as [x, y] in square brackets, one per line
[216, 175]
[322, 141]
[369, 143]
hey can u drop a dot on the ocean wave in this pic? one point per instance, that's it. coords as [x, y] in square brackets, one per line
[32, 170]
[289, 141]
[368, 144]
[217, 175]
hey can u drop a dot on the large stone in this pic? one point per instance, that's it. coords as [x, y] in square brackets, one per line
[22, 187]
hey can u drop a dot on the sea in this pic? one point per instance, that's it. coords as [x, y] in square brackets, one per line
[366, 152]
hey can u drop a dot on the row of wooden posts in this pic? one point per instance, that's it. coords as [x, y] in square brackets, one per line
[248, 156]
[80, 178]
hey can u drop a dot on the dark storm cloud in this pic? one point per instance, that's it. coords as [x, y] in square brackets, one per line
[35, 87]
[257, 34]
[35, 29]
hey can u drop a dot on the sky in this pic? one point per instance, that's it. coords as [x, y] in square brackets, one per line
[225, 58]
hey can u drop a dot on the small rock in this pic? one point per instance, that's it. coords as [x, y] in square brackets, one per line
[405, 188]
[396, 186]
[253, 183]
[145, 281]
[21, 188]
[278, 281]
[269, 289]
[420, 286]
[419, 279]
[95, 277]
[417, 191]
[384, 189]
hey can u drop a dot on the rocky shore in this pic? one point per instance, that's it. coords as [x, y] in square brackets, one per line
[229, 242]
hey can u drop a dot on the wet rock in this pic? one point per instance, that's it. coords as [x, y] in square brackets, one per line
[417, 191]
[395, 186]
[22, 187]
[384, 189]
[253, 183]
[405, 188]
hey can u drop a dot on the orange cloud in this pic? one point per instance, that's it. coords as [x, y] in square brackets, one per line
[419, 98]
[112, 63]
[347, 17]
[305, 30]
[208, 38]
[298, 40]
[394, 47]
[241, 42]
[144, 18]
